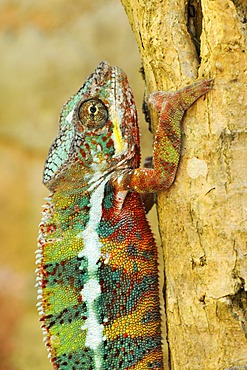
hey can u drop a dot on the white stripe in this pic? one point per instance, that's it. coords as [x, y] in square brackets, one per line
[70, 116]
[91, 290]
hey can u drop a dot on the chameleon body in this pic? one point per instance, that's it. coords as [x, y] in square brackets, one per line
[98, 280]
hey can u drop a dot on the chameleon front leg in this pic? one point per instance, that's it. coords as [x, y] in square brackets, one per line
[148, 199]
[171, 107]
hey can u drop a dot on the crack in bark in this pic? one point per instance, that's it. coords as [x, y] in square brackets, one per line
[194, 23]
[238, 304]
[224, 149]
[238, 301]
[241, 8]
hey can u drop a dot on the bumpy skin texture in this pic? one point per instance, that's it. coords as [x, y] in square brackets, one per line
[98, 280]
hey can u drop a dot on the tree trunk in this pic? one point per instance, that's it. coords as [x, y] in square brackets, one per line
[202, 220]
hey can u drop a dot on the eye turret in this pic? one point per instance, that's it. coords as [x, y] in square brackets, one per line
[93, 113]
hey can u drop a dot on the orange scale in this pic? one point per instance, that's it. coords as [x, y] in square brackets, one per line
[155, 355]
[132, 324]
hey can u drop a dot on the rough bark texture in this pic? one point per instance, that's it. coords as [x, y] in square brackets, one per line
[202, 217]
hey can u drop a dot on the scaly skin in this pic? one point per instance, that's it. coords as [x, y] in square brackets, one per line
[98, 279]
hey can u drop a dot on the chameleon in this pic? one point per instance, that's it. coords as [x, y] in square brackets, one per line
[98, 274]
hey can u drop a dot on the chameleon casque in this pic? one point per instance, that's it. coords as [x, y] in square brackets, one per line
[98, 279]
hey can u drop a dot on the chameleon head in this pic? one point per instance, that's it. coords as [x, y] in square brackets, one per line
[98, 130]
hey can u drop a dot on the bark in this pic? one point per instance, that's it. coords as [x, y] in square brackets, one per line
[202, 217]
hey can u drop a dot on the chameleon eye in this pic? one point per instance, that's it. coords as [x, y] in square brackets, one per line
[93, 113]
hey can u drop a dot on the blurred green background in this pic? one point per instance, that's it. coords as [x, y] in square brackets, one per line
[47, 49]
